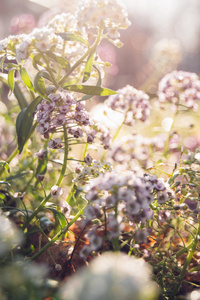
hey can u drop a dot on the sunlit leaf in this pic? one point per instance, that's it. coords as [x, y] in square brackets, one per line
[99, 81]
[58, 59]
[26, 79]
[60, 216]
[20, 96]
[90, 90]
[68, 36]
[88, 66]
[36, 61]
[11, 79]
[39, 84]
[24, 123]
[5, 165]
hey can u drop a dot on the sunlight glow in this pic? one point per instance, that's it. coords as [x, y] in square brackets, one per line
[167, 124]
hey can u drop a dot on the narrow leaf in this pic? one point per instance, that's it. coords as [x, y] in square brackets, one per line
[37, 61]
[26, 79]
[18, 175]
[88, 66]
[68, 36]
[39, 84]
[2, 62]
[20, 97]
[61, 60]
[60, 216]
[11, 79]
[99, 81]
[64, 63]
[5, 165]
[90, 90]
[24, 123]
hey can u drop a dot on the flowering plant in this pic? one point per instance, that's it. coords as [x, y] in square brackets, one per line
[71, 189]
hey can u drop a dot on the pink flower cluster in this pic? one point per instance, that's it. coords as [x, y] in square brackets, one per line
[180, 87]
[132, 102]
[63, 109]
[120, 199]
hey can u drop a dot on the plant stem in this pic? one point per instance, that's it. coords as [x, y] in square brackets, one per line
[56, 237]
[92, 48]
[49, 70]
[62, 174]
[187, 262]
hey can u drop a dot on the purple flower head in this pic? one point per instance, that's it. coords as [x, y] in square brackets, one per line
[56, 191]
[180, 87]
[55, 144]
[132, 102]
[88, 159]
[65, 208]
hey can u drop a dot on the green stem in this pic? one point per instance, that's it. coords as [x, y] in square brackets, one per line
[166, 150]
[187, 262]
[62, 174]
[58, 235]
[119, 128]
[98, 39]
[49, 70]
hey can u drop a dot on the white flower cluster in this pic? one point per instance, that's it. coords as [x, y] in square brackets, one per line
[93, 169]
[9, 235]
[109, 14]
[112, 276]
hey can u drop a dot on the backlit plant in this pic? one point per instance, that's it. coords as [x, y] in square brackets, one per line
[70, 183]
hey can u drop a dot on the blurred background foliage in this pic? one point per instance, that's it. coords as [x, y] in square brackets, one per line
[164, 35]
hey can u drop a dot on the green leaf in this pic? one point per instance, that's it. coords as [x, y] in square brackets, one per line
[11, 79]
[20, 97]
[46, 75]
[5, 165]
[24, 123]
[2, 62]
[60, 216]
[88, 66]
[61, 60]
[19, 175]
[26, 79]
[68, 36]
[64, 63]
[37, 61]
[99, 81]
[90, 90]
[39, 84]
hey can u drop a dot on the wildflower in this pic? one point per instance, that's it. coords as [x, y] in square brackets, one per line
[180, 87]
[110, 15]
[65, 208]
[111, 276]
[76, 132]
[41, 154]
[55, 144]
[56, 191]
[133, 103]
[22, 50]
[88, 159]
